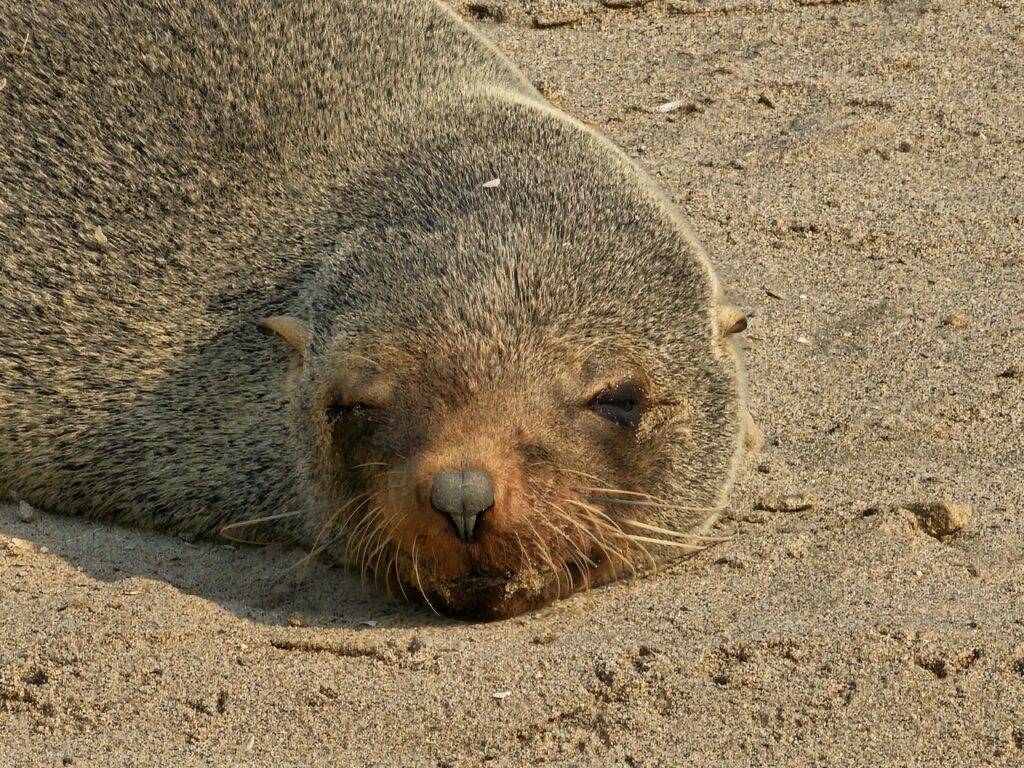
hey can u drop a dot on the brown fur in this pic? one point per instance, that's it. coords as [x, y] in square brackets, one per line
[317, 171]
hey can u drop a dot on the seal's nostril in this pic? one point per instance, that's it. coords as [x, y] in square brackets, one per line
[447, 493]
[477, 491]
[463, 495]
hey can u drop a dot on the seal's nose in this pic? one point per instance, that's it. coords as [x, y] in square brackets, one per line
[463, 495]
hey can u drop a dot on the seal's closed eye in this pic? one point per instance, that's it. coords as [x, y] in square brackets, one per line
[620, 404]
[335, 411]
[338, 406]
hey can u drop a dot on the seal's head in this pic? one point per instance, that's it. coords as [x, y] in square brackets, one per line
[511, 391]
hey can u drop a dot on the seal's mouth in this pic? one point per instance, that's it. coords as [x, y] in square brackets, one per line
[491, 596]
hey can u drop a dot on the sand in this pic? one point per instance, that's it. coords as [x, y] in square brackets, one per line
[856, 170]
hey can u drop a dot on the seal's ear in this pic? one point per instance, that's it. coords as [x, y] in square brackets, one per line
[731, 320]
[287, 328]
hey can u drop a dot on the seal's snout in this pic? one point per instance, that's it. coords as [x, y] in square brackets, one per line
[464, 495]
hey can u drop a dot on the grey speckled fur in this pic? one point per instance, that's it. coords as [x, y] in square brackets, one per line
[321, 159]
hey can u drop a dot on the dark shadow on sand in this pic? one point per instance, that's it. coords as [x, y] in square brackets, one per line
[260, 584]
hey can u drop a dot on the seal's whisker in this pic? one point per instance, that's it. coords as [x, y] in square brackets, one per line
[558, 570]
[561, 567]
[655, 504]
[600, 543]
[380, 529]
[601, 526]
[356, 534]
[574, 525]
[398, 574]
[607, 494]
[620, 522]
[342, 533]
[385, 537]
[316, 547]
[610, 526]
[416, 573]
[373, 535]
[545, 551]
[587, 475]
[332, 519]
[609, 551]
[662, 543]
[358, 541]
[366, 538]
[364, 357]
[678, 534]
[254, 521]
[527, 560]
[370, 559]
[377, 539]
[377, 557]
[592, 510]
[619, 491]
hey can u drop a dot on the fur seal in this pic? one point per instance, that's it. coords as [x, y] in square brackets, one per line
[501, 368]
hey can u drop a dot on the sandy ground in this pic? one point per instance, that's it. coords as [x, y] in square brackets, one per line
[856, 169]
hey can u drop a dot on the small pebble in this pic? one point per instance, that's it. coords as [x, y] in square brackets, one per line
[1013, 372]
[735, 561]
[501, 695]
[940, 518]
[18, 547]
[491, 184]
[488, 10]
[796, 550]
[790, 503]
[958, 321]
[905, 146]
[767, 99]
[25, 512]
[553, 19]
[973, 569]
[690, 107]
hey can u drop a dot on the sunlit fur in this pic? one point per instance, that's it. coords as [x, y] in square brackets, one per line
[199, 166]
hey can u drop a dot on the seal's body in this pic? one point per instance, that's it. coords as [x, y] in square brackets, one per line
[507, 364]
